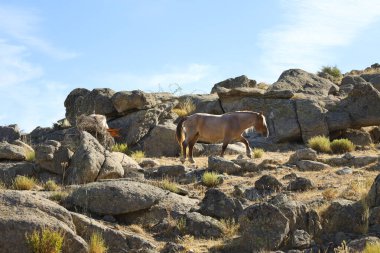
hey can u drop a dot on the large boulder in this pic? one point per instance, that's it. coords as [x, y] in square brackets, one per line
[131, 167]
[52, 156]
[8, 171]
[124, 101]
[87, 160]
[303, 154]
[358, 137]
[115, 197]
[34, 213]
[300, 81]
[218, 205]
[204, 103]
[161, 141]
[111, 168]
[116, 240]
[223, 165]
[240, 81]
[11, 152]
[262, 226]
[9, 133]
[268, 183]
[82, 101]
[306, 165]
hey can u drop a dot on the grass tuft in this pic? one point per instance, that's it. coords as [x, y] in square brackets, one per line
[372, 248]
[185, 108]
[24, 183]
[46, 241]
[59, 196]
[357, 189]
[97, 244]
[332, 71]
[211, 179]
[51, 185]
[340, 146]
[30, 155]
[320, 144]
[138, 155]
[169, 185]
[330, 194]
[120, 147]
[230, 228]
[258, 152]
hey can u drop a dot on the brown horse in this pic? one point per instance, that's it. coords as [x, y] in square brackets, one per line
[218, 128]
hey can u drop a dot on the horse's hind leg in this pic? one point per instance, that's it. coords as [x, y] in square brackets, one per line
[226, 141]
[191, 146]
[248, 149]
[184, 147]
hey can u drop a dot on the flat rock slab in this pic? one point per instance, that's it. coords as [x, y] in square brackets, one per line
[115, 197]
[306, 165]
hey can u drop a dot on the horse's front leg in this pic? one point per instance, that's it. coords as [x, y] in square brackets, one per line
[184, 147]
[247, 147]
[191, 146]
[224, 146]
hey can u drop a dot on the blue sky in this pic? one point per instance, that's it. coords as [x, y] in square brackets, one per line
[48, 48]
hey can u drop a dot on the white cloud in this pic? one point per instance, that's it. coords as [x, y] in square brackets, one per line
[311, 29]
[191, 78]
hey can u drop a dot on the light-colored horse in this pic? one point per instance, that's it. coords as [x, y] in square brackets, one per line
[218, 128]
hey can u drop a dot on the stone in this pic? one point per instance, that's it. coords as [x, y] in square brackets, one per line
[204, 103]
[268, 164]
[303, 154]
[171, 247]
[149, 163]
[203, 149]
[240, 81]
[373, 198]
[268, 183]
[300, 184]
[202, 226]
[358, 245]
[306, 165]
[375, 134]
[161, 141]
[247, 165]
[9, 171]
[111, 168]
[300, 239]
[223, 165]
[218, 205]
[344, 171]
[52, 157]
[168, 171]
[11, 152]
[10, 133]
[124, 101]
[131, 168]
[252, 194]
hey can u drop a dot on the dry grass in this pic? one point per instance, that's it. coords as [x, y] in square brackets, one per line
[97, 244]
[320, 144]
[2, 186]
[168, 184]
[137, 229]
[138, 155]
[185, 108]
[59, 196]
[342, 248]
[298, 96]
[340, 146]
[51, 185]
[211, 179]
[30, 155]
[198, 245]
[120, 147]
[330, 194]
[262, 86]
[357, 189]
[258, 152]
[46, 241]
[372, 248]
[24, 183]
[230, 228]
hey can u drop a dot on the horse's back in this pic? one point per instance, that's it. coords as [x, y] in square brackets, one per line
[210, 127]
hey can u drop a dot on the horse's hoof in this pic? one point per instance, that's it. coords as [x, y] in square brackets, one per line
[249, 156]
[182, 160]
[191, 160]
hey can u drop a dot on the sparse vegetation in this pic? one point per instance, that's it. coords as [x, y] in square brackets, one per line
[258, 152]
[24, 183]
[120, 147]
[97, 244]
[230, 228]
[2, 186]
[342, 248]
[211, 179]
[138, 155]
[51, 185]
[185, 108]
[30, 155]
[137, 229]
[357, 189]
[330, 194]
[342, 145]
[332, 73]
[169, 185]
[320, 144]
[181, 224]
[59, 196]
[372, 248]
[45, 241]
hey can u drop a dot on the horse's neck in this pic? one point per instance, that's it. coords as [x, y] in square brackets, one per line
[248, 119]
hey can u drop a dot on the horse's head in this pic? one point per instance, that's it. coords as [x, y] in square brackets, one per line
[261, 125]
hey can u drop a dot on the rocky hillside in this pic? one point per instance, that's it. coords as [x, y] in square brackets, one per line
[288, 198]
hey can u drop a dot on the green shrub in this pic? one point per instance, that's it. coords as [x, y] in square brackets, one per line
[120, 147]
[211, 179]
[97, 244]
[24, 183]
[258, 152]
[138, 155]
[51, 185]
[319, 143]
[342, 146]
[332, 71]
[46, 241]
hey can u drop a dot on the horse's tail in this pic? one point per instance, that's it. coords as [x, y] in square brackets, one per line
[179, 134]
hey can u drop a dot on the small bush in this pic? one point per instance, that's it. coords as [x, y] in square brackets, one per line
[138, 155]
[258, 152]
[51, 185]
[330, 194]
[97, 244]
[120, 147]
[372, 248]
[319, 143]
[24, 183]
[342, 146]
[46, 241]
[30, 155]
[211, 179]
[59, 196]
[169, 185]
[181, 224]
[185, 108]
[230, 227]
[332, 71]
